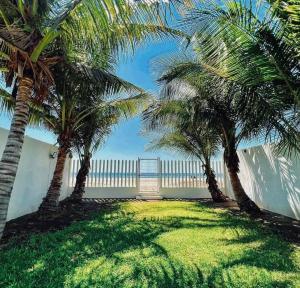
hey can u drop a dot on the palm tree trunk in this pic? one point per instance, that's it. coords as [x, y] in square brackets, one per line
[83, 172]
[213, 188]
[51, 201]
[244, 202]
[13, 149]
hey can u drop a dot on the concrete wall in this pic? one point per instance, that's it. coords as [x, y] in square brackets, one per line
[110, 192]
[271, 182]
[182, 193]
[34, 175]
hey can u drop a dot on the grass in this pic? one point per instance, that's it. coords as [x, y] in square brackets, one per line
[154, 244]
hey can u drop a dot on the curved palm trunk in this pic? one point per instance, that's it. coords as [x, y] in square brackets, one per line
[12, 152]
[213, 188]
[232, 164]
[83, 172]
[51, 201]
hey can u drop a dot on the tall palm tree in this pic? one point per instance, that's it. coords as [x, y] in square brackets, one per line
[185, 135]
[255, 44]
[93, 132]
[30, 32]
[81, 93]
[235, 112]
[90, 137]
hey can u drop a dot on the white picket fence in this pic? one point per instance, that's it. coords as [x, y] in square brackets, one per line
[128, 173]
[188, 174]
[107, 173]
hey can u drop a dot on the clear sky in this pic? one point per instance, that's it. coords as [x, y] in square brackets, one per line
[125, 142]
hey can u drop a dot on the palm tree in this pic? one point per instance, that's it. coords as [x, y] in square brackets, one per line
[30, 32]
[225, 107]
[185, 135]
[90, 137]
[81, 93]
[95, 129]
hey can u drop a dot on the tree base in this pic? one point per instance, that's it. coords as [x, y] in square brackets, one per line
[76, 196]
[249, 207]
[72, 200]
[48, 206]
[218, 196]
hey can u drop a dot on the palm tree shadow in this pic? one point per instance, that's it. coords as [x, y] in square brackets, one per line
[116, 249]
[271, 255]
[122, 241]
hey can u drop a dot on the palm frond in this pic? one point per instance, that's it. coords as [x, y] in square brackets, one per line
[245, 43]
[7, 102]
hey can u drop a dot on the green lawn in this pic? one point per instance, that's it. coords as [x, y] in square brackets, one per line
[154, 244]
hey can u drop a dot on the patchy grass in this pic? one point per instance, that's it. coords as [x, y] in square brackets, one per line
[154, 244]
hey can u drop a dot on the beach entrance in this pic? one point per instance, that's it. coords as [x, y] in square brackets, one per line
[149, 175]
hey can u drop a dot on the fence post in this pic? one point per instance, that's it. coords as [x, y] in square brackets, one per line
[138, 174]
[159, 169]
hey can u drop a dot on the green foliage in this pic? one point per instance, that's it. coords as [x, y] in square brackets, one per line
[173, 125]
[6, 101]
[32, 30]
[247, 112]
[245, 42]
[84, 98]
[100, 120]
[144, 244]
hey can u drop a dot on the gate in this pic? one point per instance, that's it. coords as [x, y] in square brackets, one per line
[148, 175]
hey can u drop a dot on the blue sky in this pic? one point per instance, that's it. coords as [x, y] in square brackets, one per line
[125, 142]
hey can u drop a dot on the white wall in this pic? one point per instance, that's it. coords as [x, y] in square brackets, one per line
[184, 193]
[271, 182]
[111, 192]
[33, 177]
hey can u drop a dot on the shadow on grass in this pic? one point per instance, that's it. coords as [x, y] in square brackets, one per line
[116, 249]
[272, 255]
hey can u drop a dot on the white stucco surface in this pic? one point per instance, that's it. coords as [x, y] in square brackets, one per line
[33, 177]
[184, 193]
[111, 192]
[270, 181]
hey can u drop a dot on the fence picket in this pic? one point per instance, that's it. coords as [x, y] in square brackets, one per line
[137, 167]
[125, 174]
[113, 171]
[99, 172]
[92, 174]
[200, 173]
[129, 173]
[181, 173]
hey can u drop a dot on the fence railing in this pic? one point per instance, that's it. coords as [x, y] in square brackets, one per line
[188, 174]
[127, 173]
[107, 173]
